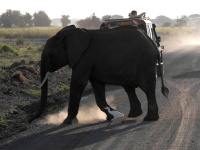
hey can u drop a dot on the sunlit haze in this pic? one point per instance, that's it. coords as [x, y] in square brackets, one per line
[80, 9]
[87, 114]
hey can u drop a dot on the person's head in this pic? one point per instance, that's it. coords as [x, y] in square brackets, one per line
[133, 13]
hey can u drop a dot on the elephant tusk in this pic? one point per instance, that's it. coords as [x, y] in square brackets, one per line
[45, 78]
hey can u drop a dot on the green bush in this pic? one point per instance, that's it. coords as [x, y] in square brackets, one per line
[20, 41]
[40, 48]
[7, 49]
[30, 48]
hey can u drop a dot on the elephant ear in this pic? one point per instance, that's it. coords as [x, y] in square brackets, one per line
[77, 42]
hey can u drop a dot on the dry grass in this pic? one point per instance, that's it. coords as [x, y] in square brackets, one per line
[46, 32]
[28, 33]
[174, 31]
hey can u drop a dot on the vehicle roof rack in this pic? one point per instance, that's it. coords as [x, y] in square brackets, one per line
[142, 15]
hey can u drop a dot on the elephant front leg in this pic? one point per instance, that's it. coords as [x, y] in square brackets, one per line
[135, 104]
[99, 92]
[76, 90]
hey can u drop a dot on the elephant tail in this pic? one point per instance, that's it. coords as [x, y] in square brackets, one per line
[164, 89]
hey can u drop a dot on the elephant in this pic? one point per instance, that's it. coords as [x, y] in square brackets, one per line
[123, 56]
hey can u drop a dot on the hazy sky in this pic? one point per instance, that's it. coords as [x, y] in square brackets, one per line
[80, 9]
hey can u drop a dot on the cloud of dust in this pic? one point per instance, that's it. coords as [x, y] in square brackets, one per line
[183, 43]
[86, 114]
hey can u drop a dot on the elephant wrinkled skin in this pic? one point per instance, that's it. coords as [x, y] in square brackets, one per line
[123, 56]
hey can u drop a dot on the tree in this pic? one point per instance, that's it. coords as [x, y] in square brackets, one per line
[181, 21]
[167, 24]
[89, 22]
[13, 18]
[116, 17]
[65, 20]
[28, 19]
[6, 19]
[17, 19]
[106, 17]
[162, 17]
[41, 19]
[95, 22]
[193, 20]
[84, 23]
[161, 20]
[194, 16]
[0, 21]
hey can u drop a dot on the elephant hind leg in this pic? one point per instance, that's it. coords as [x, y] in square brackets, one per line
[152, 113]
[135, 104]
[148, 85]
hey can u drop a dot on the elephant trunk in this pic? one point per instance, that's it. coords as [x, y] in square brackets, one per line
[44, 90]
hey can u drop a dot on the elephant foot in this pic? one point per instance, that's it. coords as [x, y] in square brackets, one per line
[133, 114]
[109, 117]
[70, 121]
[151, 116]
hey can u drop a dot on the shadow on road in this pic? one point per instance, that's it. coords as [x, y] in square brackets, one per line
[70, 137]
[193, 74]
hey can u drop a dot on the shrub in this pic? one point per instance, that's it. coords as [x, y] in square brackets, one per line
[7, 49]
[40, 48]
[20, 41]
[30, 48]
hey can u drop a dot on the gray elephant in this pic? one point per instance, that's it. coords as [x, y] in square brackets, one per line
[123, 56]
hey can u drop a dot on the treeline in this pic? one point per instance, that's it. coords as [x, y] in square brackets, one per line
[14, 18]
[181, 21]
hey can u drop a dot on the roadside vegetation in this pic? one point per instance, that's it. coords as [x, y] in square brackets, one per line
[46, 32]
[18, 44]
[28, 33]
[27, 43]
[174, 31]
[10, 54]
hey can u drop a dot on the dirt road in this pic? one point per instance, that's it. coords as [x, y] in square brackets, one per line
[177, 128]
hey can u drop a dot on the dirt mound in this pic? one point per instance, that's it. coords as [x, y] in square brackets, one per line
[18, 76]
[20, 94]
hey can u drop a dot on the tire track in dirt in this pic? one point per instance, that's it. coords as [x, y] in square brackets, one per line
[182, 127]
[188, 103]
[185, 130]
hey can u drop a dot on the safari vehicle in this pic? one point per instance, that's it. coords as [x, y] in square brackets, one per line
[145, 24]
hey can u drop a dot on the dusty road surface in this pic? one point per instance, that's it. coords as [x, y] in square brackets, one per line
[177, 128]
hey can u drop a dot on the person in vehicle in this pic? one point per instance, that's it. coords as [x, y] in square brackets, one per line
[132, 14]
